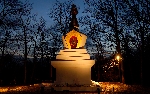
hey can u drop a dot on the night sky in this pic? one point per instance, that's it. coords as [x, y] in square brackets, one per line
[42, 7]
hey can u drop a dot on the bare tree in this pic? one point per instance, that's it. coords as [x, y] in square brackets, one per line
[41, 43]
[139, 20]
[25, 35]
[60, 13]
[95, 40]
[107, 16]
[10, 11]
[129, 22]
[9, 20]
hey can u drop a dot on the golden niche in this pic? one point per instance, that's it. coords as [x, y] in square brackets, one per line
[71, 34]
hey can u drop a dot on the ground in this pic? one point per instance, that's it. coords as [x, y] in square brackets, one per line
[107, 88]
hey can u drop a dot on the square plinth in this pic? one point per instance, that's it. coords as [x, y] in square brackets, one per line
[73, 72]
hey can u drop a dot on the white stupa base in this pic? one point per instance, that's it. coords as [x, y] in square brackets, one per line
[73, 72]
[73, 68]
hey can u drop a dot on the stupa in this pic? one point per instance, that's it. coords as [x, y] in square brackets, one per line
[73, 63]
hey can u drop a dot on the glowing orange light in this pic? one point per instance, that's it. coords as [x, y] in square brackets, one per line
[118, 57]
[75, 34]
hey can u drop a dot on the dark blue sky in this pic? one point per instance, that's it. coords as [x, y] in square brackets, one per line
[42, 7]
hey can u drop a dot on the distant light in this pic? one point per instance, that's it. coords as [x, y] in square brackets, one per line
[118, 57]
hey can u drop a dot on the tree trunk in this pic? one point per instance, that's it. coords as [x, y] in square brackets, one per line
[25, 56]
[142, 47]
[34, 61]
[121, 70]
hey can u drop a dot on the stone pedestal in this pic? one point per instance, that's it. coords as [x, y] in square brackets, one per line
[73, 67]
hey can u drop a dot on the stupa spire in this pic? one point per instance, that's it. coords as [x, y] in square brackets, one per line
[74, 23]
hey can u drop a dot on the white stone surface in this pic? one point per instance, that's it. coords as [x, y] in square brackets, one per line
[73, 66]
[73, 54]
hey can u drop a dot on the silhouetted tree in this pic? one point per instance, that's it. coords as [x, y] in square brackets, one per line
[10, 12]
[127, 21]
[138, 19]
[107, 19]
[60, 13]
[25, 35]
